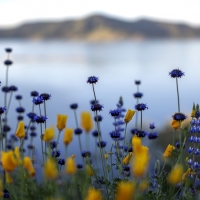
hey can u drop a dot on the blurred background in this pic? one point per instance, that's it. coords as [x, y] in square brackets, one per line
[57, 45]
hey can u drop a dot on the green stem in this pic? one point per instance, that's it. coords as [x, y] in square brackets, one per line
[178, 95]
[141, 121]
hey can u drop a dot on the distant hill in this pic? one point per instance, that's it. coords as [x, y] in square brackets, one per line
[100, 28]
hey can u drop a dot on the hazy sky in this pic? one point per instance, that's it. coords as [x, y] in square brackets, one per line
[14, 12]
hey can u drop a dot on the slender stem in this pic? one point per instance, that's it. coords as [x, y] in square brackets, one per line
[41, 143]
[45, 114]
[79, 140]
[111, 162]
[66, 150]
[75, 115]
[96, 153]
[9, 101]
[40, 110]
[136, 117]
[178, 95]
[124, 137]
[94, 94]
[1, 135]
[141, 121]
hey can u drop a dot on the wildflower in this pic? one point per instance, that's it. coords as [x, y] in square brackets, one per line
[31, 115]
[18, 97]
[89, 170]
[138, 95]
[95, 133]
[20, 109]
[13, 88]
[56, 153]
[129, 115]
[50, 169]
[9, 179]
[115, 134]
[98, 118]
[86, 154]
[8, 62]
[127, 159]
[175, 176]
[61, 121]
[8, 50]
[20, 118]
[186, 174]
[5, 89]
[175, 124]
[45, 96]
[141, 106]
[96, 107]
[34, 93]
[6, 128]
[178, 145]
[176, 73]
[106, 156]
[193, 111]
[92, 79]
[114, 113]
[190, 150]
[2, 110]
[70, 166]
[40, 119]
[102, 144]
[79, 166]
[179, 117]
[92, 102]
[125, 190]
[49, 134]
[53, 144]
[140, 162]
[152, 126]
[68, 135]
[38, 100]
[61, 162]
[74, 106]
[6, 194]
[78, 131]
[168, 151]
[8, 160]
[20, 133]
[137, 82]
[136, 143]
[33, 134]
[94, 194]
[152, 136]
[32, 128]
[17, 155]
[86, 121]
[29, 166]
[30, 146]
[141, 134]
[134, 131]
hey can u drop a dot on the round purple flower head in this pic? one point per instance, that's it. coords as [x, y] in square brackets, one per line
[86, 154]
[152, 136]
[137, 82]
[138, 95]
[78, 131]
[40, 119]
[93, 102]
[55, 154]
[13, 88]
[115, 135]
[141, 106]
[95, 133]
[2, 109]
[8, 50]
[176, 73]
[79, 166]
[134, 131]
[179, 116]
[18, 97]
[99, 118]
[61, 161]
[20, 110]
[34, 93]
[92, 79]
[74, 106]
[151, 126]
[96, 107]
[8, 62]
[5, 89]
[38, 100]
[102, 144]
[115, 113]
[45, 96]
[141, 134]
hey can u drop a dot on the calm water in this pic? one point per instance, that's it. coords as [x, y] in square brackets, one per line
[61, 68]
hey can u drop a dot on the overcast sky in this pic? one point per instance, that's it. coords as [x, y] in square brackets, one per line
[14, 12]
